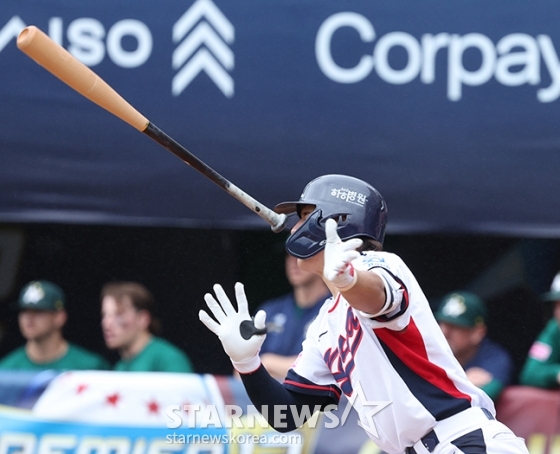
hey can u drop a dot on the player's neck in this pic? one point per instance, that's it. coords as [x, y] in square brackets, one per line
[308, 294]
[47, 349]
[136, 346]
[466, 356]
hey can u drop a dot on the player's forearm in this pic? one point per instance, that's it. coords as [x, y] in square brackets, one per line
[368, 294]
[539, 374]
[276, 403]
[277, 365]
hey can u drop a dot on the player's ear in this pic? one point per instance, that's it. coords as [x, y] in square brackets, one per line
[144, 318]
[478, 333]
[60, 318]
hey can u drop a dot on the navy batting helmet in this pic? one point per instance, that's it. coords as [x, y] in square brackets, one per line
[357, 207]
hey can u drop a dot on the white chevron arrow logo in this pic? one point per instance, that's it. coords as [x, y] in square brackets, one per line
[213, 55]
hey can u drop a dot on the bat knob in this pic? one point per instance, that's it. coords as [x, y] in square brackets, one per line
[248, 329]
[282, 220]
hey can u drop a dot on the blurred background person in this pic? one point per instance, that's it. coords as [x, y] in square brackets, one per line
[42, 316]
[542, 366]
[130, 327]
[289, 316]
[463, 319]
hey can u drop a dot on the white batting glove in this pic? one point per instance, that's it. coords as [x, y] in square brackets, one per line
[339, 254]
[240, 335]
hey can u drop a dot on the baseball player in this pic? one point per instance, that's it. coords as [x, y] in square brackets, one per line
[376, 340]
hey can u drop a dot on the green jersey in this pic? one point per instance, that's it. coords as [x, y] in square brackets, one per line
[76, 358]
[158, 356]
[543, 362]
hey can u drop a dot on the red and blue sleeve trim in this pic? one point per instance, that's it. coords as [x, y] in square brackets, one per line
[297, 383]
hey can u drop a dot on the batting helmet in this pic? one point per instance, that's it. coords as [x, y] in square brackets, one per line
[357, 207]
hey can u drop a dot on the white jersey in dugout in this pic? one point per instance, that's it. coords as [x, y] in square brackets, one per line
[399, 355]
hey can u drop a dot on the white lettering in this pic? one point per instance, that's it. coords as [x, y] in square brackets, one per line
[323, 47]
[550, 58]
[333, 419]
[85, 36]
[56, 443]
[175, 418]
[431, 44]
[381, 58]
[22, 443]
[513, 61]
[305, 415]
[280, 416]
[136, 29]
[99, 445]
[528, 59]
[10, 31]
[458, 74]
[210, 417]
[234, 413]
[55, 30]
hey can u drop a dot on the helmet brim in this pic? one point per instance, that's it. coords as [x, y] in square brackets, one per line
[287, 207]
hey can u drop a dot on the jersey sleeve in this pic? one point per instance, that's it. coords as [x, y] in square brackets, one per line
[542, 365]
[393, 313]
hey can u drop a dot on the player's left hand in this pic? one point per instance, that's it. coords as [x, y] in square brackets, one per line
[240, 335]
[339, 254]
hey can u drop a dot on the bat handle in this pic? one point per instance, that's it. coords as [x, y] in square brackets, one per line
[277, 221]
[281, 221]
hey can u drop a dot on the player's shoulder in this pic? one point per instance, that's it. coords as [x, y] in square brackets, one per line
[278, 303]
[13, 358]
[552, 327]
[160, 346]
[169, 357]
[494, 349]
[82, 351]
[86, 358]
[380, 259]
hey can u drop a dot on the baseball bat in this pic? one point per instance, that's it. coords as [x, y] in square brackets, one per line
[58, 61]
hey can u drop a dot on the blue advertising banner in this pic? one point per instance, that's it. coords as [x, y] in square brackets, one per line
[449, 109]
[153, 412]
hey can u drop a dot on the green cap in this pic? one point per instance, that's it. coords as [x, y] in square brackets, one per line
[554, 294]
[462, 309]
[41, 296]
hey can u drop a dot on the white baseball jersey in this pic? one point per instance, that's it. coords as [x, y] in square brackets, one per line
[399, 355]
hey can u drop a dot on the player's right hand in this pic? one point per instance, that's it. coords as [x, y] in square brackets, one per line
[338, 258]
[230, 327]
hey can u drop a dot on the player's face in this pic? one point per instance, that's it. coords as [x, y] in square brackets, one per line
[121, 322]
[462, 340]
[312, 264]
[39, 325]
[557, 311]
[306, 210]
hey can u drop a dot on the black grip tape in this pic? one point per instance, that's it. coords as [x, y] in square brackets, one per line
[248, 329]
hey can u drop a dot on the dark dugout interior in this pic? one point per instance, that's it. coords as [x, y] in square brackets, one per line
[180, 265]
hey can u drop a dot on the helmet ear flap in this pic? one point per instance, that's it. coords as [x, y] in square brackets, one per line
[309, 238]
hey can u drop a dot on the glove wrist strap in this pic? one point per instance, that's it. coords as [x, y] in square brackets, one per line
[247, 366]
[352, 274]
